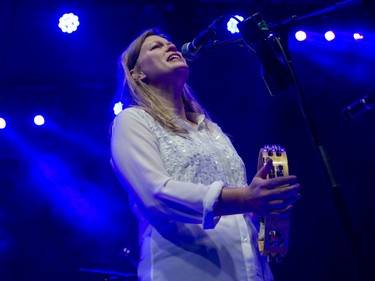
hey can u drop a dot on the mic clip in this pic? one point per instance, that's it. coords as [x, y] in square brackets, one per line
[275, 62]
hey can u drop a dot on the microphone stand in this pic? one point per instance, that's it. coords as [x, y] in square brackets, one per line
[259, 38]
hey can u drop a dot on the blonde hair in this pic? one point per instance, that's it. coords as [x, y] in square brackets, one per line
[142, 95]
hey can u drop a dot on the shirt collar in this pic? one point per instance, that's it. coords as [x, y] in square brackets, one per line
[197, 118]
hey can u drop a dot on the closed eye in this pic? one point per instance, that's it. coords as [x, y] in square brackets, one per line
[154, 46]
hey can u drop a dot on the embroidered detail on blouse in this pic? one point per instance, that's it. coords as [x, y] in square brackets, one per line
[203, 156]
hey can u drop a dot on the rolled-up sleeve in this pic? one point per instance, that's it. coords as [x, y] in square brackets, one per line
[136, 160]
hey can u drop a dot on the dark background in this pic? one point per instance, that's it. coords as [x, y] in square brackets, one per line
[62, 210]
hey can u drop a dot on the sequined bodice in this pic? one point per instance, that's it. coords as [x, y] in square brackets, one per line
[203, 156]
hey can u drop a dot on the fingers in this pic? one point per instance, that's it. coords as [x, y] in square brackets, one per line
[265, 170]
[272, 183]
[281, 213]
[283, 205]
[280, 201]
[275, 196]
[281, 181]
[284, 192]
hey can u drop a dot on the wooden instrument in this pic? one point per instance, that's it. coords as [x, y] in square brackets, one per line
[273, 236]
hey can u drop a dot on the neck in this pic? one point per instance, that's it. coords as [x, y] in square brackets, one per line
[171, 96]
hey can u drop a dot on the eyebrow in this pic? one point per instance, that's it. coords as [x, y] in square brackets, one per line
[159, 41]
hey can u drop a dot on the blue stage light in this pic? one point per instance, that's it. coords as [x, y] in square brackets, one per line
[39, 120]
[357, 36]
[232, 24]
[117, 108]
[329, 35]
[300, 35]
[3, 123]
[69, 23]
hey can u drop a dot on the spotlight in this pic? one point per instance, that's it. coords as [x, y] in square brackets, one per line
[300, 35]
[39, 120]
[117, 108]
[357, 36]
[329, 35]
[68, 23]
[3, 124]
[232, 24]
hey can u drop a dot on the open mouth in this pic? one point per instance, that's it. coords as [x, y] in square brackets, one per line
[174, 57]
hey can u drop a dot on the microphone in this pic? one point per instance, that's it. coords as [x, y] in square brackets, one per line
[191, 50]
[359, 107]
[276, 70]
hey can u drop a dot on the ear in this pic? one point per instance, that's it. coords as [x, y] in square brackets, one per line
[137, 75]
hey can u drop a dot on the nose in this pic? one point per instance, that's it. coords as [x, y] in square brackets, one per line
[171, 47]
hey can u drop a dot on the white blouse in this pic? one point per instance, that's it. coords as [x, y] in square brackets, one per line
[173, 183]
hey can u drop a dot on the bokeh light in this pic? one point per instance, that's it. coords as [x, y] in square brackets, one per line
[69, 23]
[39, 120]
[357, 36]
[329, 35]
[300, 35]
[232, 24]
[117, 108]
[3, 123]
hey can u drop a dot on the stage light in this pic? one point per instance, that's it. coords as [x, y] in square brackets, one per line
[3, 124]
[117, 108]
[357, 36]
[329, 35]
[232, 24]
[300, 35]
[39, 120]
[68, 23]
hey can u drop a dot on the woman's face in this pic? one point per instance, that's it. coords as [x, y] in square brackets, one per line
[160, 62]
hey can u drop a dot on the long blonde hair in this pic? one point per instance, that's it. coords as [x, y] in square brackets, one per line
[142, 95]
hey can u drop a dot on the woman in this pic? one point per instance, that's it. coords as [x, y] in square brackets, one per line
[186, 183]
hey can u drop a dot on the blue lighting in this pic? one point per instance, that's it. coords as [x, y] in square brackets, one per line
[357, 36]
[300, 35]
[68, 23]
[232, 24]
[329, 35]
[3, 124]
[117, 108]
[39, 120]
